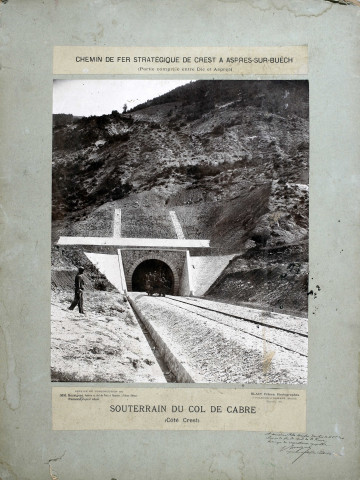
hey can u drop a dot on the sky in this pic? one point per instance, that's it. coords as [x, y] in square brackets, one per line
[98, 97]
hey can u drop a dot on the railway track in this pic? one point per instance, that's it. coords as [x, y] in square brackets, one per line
[292, 340]
[296, 331]
[206, 341]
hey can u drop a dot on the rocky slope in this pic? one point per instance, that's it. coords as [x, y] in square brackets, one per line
[229, 157]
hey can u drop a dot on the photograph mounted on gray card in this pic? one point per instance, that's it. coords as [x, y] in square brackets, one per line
[180, 231]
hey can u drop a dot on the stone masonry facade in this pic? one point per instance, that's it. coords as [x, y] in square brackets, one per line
[133, 258]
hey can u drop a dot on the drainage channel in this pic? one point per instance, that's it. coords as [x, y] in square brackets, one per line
[168, 374]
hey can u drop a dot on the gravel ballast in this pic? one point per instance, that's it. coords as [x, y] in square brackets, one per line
[217, 348]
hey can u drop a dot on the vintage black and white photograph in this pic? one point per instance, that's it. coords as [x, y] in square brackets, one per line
[180, 231]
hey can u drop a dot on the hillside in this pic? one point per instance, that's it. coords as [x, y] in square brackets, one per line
[229, 157]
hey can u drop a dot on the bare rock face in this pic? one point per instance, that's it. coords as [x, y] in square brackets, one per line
[229, 157]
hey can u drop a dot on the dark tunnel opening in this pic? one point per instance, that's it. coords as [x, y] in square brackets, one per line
[154, 276]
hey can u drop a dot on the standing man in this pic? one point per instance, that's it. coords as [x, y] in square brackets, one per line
[79, 288]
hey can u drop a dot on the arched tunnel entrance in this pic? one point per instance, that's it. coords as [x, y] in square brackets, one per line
[149, 272]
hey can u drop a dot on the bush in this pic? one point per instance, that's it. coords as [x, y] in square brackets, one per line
[218, 130]
[100, 285]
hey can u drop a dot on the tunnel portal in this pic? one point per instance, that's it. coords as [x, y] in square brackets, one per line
[152, 266]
